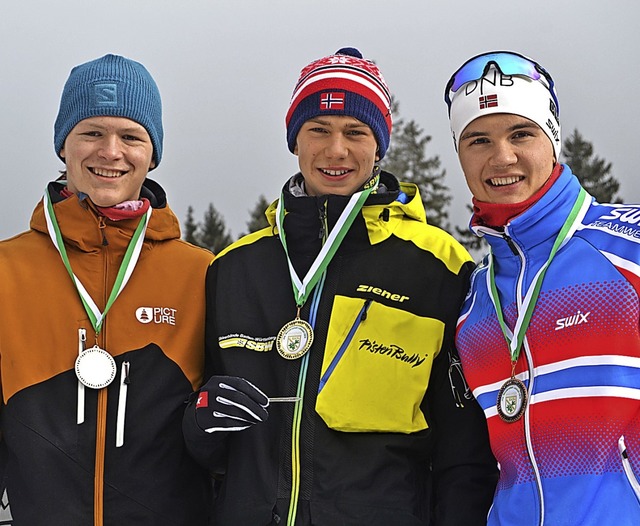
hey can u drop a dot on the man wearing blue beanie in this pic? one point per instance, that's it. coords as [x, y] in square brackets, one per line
[101, 337]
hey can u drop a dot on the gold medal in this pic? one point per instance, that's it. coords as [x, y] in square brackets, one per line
[95, 368]
[294, 339]
[512, 400]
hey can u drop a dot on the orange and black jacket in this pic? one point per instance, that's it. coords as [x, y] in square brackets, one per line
[376, 438]
[113, 456]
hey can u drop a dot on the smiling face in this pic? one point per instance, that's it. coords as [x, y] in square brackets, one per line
[336, 154]
[505, 158]
[107, 158]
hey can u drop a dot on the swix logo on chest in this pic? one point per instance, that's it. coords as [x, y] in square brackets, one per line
[624, 214]
[157, 315]
[575, 319]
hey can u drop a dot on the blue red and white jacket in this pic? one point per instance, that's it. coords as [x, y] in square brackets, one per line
[574, 456]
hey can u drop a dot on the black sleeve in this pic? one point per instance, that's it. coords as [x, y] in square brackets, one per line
[465, 472]
[208, 449]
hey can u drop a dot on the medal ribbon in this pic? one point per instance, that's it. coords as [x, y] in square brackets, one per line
[124, 273]
[303, 288]
[525, 311]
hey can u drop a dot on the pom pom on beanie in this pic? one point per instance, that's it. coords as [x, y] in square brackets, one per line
[342, 84]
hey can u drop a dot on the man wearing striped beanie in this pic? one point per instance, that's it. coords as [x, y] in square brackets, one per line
[344, 92]
[342, 84]
[330, 335]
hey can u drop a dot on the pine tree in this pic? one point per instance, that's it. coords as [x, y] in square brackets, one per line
[592, 171]
[190, 227]
[257, 219]
[468, 239]
[408, 161]
[212, 232]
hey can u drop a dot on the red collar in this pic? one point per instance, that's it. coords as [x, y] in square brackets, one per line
[498, 215]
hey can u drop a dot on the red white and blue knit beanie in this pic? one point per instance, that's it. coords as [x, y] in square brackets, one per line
[110, 86]
[342, 84]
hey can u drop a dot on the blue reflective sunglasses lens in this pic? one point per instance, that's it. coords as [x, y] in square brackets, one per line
[508, 63]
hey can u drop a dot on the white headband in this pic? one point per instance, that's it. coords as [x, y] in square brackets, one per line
[498, 93]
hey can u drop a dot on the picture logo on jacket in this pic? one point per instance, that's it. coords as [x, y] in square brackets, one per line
[156, 315]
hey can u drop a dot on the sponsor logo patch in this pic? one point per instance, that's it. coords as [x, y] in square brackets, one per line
[576, 319]
[156, 315]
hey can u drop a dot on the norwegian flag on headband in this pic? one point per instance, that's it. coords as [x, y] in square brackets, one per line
[332, 100]
[488, 101]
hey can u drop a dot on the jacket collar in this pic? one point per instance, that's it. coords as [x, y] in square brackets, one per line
[539, 225]
[80, 222]
[400, 198]
[375, 223]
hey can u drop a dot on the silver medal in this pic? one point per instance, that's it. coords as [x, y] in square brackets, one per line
[294, 339]
[95, 368]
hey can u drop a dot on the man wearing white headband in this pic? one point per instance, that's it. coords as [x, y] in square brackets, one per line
[548, 334]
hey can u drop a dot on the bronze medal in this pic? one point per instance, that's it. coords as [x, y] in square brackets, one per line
[95, 368]
[294, 339]
[512, 400]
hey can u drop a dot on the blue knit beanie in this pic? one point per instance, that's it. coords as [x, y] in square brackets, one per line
[110, 86]
[342, 84]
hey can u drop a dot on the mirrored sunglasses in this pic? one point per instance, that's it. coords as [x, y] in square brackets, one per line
[507, 62]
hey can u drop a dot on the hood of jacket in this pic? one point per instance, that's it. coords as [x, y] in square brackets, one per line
[309, 219]
[398, 197]
[82, 226]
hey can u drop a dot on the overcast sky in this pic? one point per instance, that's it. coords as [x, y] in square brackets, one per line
[226, 69]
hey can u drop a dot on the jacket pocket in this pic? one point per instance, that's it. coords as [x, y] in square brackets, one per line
[628, 470]
[376, 367]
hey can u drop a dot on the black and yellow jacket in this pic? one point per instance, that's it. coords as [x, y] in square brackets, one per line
[376, 438]
[55, 471]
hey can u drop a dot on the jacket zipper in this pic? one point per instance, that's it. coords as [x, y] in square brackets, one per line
[297, 413]
[102, 226]
[525, 346]
[511, 244]
[361, 317]
[101, 415]
[302, 380]
[324, 228]
[101, 424]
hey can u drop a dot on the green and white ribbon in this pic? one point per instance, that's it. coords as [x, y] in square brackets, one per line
[303, 288]
[525, 311]
[124, 273]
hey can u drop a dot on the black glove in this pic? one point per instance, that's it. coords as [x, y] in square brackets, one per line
[230, 403]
